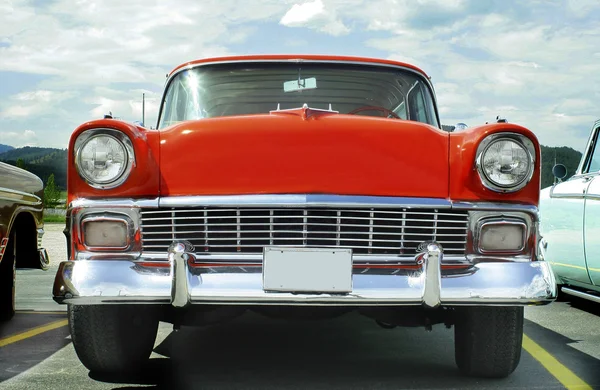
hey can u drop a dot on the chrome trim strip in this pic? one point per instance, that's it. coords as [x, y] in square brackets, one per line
[301, 199]
[570, 196]
[314, 200]
[201, 257]
[496, 206]
[117, 202]
[23, 197]
[581, 294]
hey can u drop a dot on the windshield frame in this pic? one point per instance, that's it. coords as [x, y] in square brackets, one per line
[432, 102]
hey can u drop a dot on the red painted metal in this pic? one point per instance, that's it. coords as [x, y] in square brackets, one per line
[143, 180]
[465, 184]
[297, 57]
[325, 154]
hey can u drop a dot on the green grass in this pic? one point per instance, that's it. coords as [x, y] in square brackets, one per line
[54, 219]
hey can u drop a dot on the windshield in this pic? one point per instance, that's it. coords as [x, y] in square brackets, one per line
[257, 88]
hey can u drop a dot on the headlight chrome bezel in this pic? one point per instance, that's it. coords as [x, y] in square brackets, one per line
[118, 136]
[505, 221]
[107, 217]
[490, 140]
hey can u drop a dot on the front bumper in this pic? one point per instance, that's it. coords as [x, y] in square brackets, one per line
[179, 283]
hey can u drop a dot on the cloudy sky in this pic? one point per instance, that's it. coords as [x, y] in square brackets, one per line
[535, 62]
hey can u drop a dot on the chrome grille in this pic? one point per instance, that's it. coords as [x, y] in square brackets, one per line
[247, 230]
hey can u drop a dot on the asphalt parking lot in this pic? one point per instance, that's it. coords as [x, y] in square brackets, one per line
[561, 350]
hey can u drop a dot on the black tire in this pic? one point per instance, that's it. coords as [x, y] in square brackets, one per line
[7, 280]
[488, 340]
[113, 339]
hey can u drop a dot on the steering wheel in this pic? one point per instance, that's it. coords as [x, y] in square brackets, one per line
[375, 108]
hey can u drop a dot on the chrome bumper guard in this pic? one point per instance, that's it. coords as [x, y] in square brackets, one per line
[178, 284]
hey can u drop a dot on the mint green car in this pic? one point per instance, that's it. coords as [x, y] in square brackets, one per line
[570, 224]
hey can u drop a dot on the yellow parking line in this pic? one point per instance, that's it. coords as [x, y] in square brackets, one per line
[554, 367]
[33, 332]
[41, 312]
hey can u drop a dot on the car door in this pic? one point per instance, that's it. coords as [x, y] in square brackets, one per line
[592, 212]
[562, 213]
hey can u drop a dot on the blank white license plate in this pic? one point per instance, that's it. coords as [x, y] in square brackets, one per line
[307, 270]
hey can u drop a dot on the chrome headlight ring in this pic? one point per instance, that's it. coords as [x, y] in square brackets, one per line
[112, 135]
[522, 141]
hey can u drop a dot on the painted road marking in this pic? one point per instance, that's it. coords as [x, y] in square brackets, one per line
[549, 362]
[41, 312]
[553, 366]
[33, 332]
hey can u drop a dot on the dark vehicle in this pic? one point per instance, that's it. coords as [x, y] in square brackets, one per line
[21, 230]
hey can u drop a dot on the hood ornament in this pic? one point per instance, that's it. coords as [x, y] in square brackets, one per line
[305, 111]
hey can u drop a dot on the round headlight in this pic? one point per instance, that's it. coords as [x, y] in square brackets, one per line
[104, 160]
[505, 164]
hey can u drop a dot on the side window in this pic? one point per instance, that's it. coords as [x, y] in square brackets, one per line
[593, 159]
[166, 118]
[418, 106]
[401, 110]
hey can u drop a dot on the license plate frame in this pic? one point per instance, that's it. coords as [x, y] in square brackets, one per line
[307, 270]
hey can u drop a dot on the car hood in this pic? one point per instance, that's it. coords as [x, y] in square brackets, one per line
[17, 179]
[301, 154]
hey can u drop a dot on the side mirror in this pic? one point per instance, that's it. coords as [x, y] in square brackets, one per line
[559, 171]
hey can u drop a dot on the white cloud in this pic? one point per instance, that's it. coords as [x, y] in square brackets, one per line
[19, 139]
[29, 103]
[313, 14]
[126, 105]
[582, 8]
[299, 14]
[528, 61]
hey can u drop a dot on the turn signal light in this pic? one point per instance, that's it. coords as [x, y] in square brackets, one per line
[502, 237]
[108, 234]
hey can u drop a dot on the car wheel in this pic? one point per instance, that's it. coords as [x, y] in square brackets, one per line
[488, 340]
[7, 280]
[113, 338]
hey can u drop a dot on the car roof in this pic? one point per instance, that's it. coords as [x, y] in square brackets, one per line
[292, 57]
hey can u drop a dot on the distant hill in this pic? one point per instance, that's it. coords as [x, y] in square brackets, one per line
[5, 148]
[41, 161]
[569, 157]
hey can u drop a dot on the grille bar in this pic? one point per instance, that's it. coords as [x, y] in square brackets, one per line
[340, 225]
[362, 218]
[368, 231]
[267, 210]
[295, 231]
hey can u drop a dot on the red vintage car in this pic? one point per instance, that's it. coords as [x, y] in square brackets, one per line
[301, 186]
